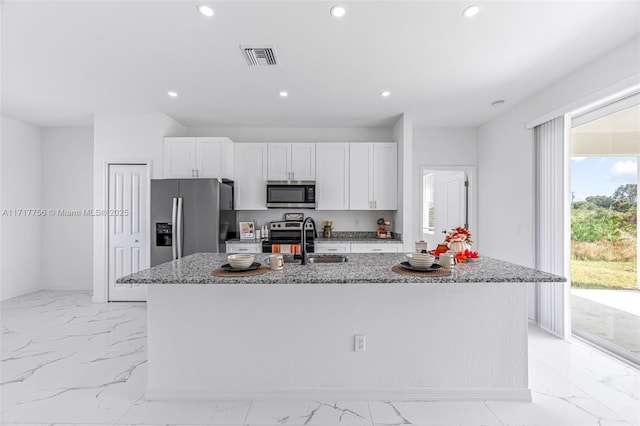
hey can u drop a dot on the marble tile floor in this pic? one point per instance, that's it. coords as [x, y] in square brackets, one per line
[606, 322]
[67, 361]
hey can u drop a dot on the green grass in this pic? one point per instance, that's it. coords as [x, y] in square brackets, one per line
[602, 274]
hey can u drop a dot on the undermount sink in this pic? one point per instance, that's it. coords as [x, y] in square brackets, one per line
[327, 259]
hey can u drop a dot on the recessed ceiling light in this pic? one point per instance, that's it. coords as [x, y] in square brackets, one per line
[205, 10]
[172, 94]
[338, 11]
[284, 94]
[498, 103]
[470, 11]
[385, 93]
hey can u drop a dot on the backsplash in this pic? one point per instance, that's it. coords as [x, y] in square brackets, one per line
[343, 221]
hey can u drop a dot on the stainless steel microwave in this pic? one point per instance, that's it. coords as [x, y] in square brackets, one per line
[284, 194]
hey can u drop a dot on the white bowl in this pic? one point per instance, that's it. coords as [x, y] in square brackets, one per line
[241, 261]
[421, 260]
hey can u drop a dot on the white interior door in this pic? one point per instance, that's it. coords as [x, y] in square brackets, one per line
[455, 207]
[128, 229]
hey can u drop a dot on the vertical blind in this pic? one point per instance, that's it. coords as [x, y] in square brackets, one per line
[551, 242]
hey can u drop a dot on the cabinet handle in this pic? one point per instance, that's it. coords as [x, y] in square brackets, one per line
[293, 176]
[197, 172]
[193, 173]
[376, 249]
[375, 204]
[243, 249]
[332, 249]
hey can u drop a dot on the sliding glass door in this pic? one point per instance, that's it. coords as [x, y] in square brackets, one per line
[605, 295]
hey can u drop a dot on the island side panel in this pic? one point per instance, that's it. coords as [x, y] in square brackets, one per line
[462, 340]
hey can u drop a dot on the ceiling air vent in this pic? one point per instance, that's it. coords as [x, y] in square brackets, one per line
[260, 56]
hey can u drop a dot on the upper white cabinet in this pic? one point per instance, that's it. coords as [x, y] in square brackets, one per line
[332, 176]
[251, 176]
[194, 157]
[373, 176]
[291, 161]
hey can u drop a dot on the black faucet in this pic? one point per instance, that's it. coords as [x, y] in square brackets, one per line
[303, 249]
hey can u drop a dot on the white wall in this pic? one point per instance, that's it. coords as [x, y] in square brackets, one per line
[505, 153]
[404, 218]
[439, 147]
[21, 188]
[120, 138]
[67, 183]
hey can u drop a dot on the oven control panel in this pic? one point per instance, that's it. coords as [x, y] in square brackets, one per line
[289, 226]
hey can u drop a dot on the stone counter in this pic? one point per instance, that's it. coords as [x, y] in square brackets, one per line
[361, 268]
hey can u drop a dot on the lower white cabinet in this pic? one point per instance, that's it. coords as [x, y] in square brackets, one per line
[376, 248]
[331, 247]
[325, 247]
[244, 247]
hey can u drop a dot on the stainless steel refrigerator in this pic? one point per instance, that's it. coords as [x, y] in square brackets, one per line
[190, 216]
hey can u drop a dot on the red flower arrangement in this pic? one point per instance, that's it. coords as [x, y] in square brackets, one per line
[459, 234]
[462, 256]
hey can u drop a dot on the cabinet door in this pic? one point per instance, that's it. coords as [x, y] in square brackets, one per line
[360, 176]
[375, 248]
[303, 161]
[243, 248]
[179, 157]
[385, 176]
[321, 247]
[251, 176]
[208, 158]
[332, 176]
[279, 155]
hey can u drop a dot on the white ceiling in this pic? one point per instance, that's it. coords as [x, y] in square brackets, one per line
[63, 61]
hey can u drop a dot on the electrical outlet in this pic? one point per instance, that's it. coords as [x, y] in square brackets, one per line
[359, 343]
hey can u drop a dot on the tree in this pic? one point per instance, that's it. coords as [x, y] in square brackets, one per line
[628, 192]
[599, 200]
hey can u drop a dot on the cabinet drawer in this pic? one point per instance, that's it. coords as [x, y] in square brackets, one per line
[332, 248]
[244, 248]
[375, 248]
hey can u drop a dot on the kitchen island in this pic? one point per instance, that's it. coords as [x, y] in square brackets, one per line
[290, 333]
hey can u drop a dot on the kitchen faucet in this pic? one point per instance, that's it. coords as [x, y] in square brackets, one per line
[303, 249]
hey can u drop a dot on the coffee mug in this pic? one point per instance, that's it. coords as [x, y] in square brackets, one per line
[446, 260]
[276, 262]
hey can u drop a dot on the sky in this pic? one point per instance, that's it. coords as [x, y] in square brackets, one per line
[601, 175]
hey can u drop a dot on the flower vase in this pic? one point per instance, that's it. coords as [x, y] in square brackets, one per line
[458, 246]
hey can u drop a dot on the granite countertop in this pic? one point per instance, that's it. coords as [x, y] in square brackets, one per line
[360, 268]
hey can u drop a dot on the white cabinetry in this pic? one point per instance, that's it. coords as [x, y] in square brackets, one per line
[244, 247]
[375, 248]
[332, 176]
[190, 157]
[328, 247]
[251, 176]
[373, 176]
[291, 161]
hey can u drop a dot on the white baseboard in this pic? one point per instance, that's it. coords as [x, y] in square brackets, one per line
[67, 287]
[391, 394]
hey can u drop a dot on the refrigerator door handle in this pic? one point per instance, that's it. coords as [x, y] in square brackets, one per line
[179, 240]
[174, 225]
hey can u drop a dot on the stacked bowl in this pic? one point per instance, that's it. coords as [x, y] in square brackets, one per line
[421, 260]
[241, 261]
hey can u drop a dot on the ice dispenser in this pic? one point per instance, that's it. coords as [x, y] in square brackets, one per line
[164, 234]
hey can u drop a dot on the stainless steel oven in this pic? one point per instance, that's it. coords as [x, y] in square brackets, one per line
[289, 234]
[283, 194]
